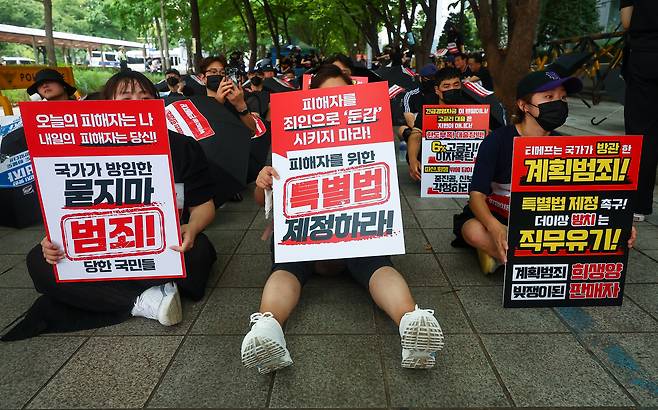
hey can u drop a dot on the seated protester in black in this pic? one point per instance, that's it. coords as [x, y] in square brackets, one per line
[176, 87]
[446, 90]
[264, 347]
[541, 107]
[64, 307]
[413, 100]
[480, 73]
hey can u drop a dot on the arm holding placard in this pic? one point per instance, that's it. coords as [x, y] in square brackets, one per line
[264, 181]
[200, 217]
[413, 149]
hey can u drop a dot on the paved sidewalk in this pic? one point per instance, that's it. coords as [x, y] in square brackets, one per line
[346, 352]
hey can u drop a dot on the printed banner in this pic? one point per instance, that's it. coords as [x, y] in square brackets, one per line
[570, 220]
[105, 181]
[338, 193]
[451, 138]
[15, 170]
[22, 76]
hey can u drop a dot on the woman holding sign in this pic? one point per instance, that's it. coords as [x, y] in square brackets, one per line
[541, 107]
[264, 347]
[72, 306]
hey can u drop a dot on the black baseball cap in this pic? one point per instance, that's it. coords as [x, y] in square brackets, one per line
[48, 74]
[539, 81]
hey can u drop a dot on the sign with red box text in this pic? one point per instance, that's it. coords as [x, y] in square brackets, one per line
[338, 192]
[106, 188]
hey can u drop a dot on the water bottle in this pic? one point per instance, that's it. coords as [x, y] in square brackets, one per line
[402, 152]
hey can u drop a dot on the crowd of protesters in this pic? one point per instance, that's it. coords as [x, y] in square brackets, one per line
[540, 109]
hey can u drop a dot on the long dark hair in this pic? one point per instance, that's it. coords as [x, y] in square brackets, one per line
[326, 72]
[125, 78]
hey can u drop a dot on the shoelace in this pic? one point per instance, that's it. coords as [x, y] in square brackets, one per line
[255, 317]
[416, 309]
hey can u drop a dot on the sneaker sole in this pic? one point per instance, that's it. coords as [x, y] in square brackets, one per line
[423, 338]
[170, 312]
[264, 353]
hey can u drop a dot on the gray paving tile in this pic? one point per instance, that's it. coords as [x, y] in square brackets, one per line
[331, 371]
[626, 318]
[217, 269]
[15, 272]
[552, 371]
[341, 280]
[647, 238]
[633, 360]
[207, 373]
[232, 220]
[14, 302]
[20, 242]
[252, 244]
[248, 204]
[414, 241]
[404, 205]
[225, 241]
[246, 271]
[484, 305]
[148, 327]
[441, 239]
[332, 311]
[259, 223]
[109, 372]
[440, 299]
[461, 378]
[646, 296]
[28, 364]
[227, 312]
[408, 220]
[420, 269]
[642, 268]
[436, 218]
[464, 270]
[417, 203]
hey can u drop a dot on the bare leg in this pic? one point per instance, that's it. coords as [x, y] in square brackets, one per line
[476, 235]
[280, 295]
[390, 292]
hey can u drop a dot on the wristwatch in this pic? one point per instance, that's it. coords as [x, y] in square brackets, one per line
[245, 112]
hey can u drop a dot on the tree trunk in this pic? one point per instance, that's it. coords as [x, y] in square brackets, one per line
[285, 27]
[158, 33]
[166, 63]
[510, 64]
[195, 26]
[250, 26]
[424, 49]
[273, 25]
[50, 40]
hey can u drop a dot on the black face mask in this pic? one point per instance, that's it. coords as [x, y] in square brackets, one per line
[212, 82]
[552, 114]
[257, 81]
[173, 81]
[454, 96]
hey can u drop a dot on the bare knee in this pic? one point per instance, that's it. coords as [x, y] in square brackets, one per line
[475, 234]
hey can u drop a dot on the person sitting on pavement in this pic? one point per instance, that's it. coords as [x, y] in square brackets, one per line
[264, 346]
[72, 306]
[541, 107]
[480, 73]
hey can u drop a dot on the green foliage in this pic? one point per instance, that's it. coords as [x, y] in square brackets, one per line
[470, 33]
[566, 18]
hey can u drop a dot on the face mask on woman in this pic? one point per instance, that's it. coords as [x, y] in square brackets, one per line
[552, 114]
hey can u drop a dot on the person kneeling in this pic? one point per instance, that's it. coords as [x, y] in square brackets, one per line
[264, 346]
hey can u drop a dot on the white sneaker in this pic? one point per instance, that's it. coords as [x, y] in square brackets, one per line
[161, 303]
[639, 217]
[264, 347]
[421, 337]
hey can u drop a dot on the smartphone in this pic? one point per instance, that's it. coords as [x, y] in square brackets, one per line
[233, 75]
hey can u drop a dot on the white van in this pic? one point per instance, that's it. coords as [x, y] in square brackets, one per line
[16, 60]
[104, 59]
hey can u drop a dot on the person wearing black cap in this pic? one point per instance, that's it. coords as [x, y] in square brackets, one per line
[640, 19]
[51, 86]
[541, 107]
[268, 71]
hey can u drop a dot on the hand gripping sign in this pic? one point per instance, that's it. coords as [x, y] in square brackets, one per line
[571, 215]
[105, 181]
[338, 193]
[451, 139]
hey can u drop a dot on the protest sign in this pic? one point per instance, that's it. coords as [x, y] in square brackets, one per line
[15, 170]
[338, 193]
[105, 181]
[451, 138]
[570, 220]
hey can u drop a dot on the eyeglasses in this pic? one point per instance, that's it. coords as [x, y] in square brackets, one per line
[214, 71]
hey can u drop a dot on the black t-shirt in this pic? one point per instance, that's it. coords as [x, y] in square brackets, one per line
[424, 99]
[173, 97]
[644, 24]
[492, 174]
[191, 169]
[485, 76]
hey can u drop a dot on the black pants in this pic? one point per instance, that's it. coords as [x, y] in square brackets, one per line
[641, 118]
[119, 296]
